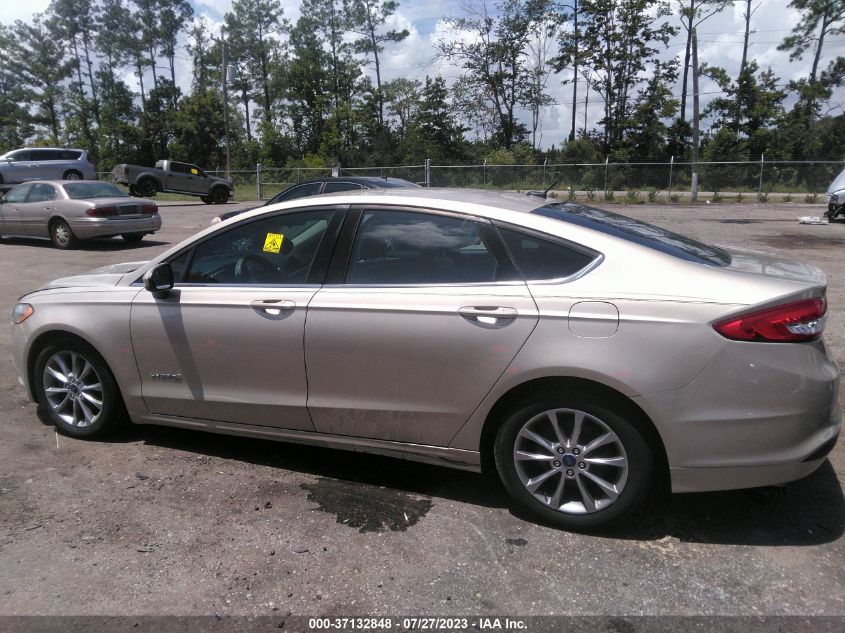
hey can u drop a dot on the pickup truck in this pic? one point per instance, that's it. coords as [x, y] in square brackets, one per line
[172, 177]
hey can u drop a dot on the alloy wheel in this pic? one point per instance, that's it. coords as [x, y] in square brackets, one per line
[73, 388]
[570, 461]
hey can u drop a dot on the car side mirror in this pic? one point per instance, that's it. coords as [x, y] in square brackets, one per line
[159, 280]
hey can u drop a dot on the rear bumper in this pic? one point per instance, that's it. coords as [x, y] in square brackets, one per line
[709, 479]
[757, 415]
[84, 228]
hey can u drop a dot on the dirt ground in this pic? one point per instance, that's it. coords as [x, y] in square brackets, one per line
[165, 521]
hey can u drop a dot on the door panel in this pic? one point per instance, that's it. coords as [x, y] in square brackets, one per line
[239, 361]
[227, 344]
[433, 319]
[405, 364]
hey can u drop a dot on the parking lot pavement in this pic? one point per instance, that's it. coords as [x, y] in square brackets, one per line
[166, 521]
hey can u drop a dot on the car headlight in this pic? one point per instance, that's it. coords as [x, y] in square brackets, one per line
[21, 313]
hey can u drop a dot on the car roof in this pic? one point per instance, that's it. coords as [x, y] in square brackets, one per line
[361, 180]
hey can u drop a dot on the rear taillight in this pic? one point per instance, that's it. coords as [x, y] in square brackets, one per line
[149, 208]
[788, 323]
[101, 212]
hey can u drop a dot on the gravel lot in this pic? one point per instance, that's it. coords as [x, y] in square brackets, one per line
[164, 521]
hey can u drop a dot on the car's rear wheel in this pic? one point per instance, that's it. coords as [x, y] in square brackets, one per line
[146, 188]
[220, 195]
[72, 174]
[133, 238]
[77, 390]
[206, 199]
[574, 462]
[62, 235]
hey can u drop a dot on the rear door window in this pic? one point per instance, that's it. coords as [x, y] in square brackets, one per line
[394, 247]
[333, 187]
[69, 154]
[41, 192]
[42, 154]
[302, 191]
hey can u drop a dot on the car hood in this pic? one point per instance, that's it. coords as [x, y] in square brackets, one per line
[838, 183]
[103, 276]
[774, 266]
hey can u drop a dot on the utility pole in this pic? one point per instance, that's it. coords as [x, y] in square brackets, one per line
[223, 81]
[695, 115]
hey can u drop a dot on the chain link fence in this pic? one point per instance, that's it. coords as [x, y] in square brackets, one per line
[668, 180]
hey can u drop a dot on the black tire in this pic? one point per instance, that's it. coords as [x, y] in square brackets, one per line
[133, 191]
[61, 235]
[573, 512]
[71, 403]
[219, 195]
[72, 174]
[206, 199]
[146, 188]
[133, 238]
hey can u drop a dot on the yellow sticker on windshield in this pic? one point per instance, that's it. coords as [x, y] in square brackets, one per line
[273, 242]
[194, 171]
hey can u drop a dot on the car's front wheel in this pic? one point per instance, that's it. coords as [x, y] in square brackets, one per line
[206, 199]
[574, 462]
[219, 195]
[77, 390]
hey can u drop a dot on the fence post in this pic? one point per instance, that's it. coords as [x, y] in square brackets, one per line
[258, 181]
[484, 173]
[671, 173]
[546, 160]
[606, 161]
[760, 186]
[428, 172]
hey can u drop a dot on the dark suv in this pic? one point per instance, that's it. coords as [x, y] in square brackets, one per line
[329, 184]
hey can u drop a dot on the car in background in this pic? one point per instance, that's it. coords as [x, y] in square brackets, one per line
[329, 184]
[45, 163]
[583, 355]
[836, 197]
[67, 212]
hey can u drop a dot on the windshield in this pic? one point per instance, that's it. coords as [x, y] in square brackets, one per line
[87, 190]
[632, 230]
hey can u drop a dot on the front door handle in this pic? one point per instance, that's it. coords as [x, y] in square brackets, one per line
[488, 316]
[273, 307]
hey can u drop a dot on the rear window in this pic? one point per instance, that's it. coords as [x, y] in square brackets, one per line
[632, 230]
[88, 190]
[69, 154]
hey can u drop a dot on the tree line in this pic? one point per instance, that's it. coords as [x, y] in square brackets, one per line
[101, 75]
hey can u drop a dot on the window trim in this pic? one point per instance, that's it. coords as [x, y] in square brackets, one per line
[339, 266]
[598, 257]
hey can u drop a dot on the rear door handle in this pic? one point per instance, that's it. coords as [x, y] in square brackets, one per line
[489, 316]
[273, 307]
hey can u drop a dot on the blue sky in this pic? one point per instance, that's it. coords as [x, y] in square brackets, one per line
[720, 44]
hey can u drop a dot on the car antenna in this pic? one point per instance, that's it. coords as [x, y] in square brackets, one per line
[545, 194]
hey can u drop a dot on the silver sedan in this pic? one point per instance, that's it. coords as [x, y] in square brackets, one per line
[584, 356]
[67, 212]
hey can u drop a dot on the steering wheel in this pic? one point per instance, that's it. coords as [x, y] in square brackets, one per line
[251, 267]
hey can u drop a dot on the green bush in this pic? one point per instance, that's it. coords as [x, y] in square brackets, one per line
[717, 197]
[609, 195]
[675, 198]
[591, 194]
[811, 198]
[652, 194]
